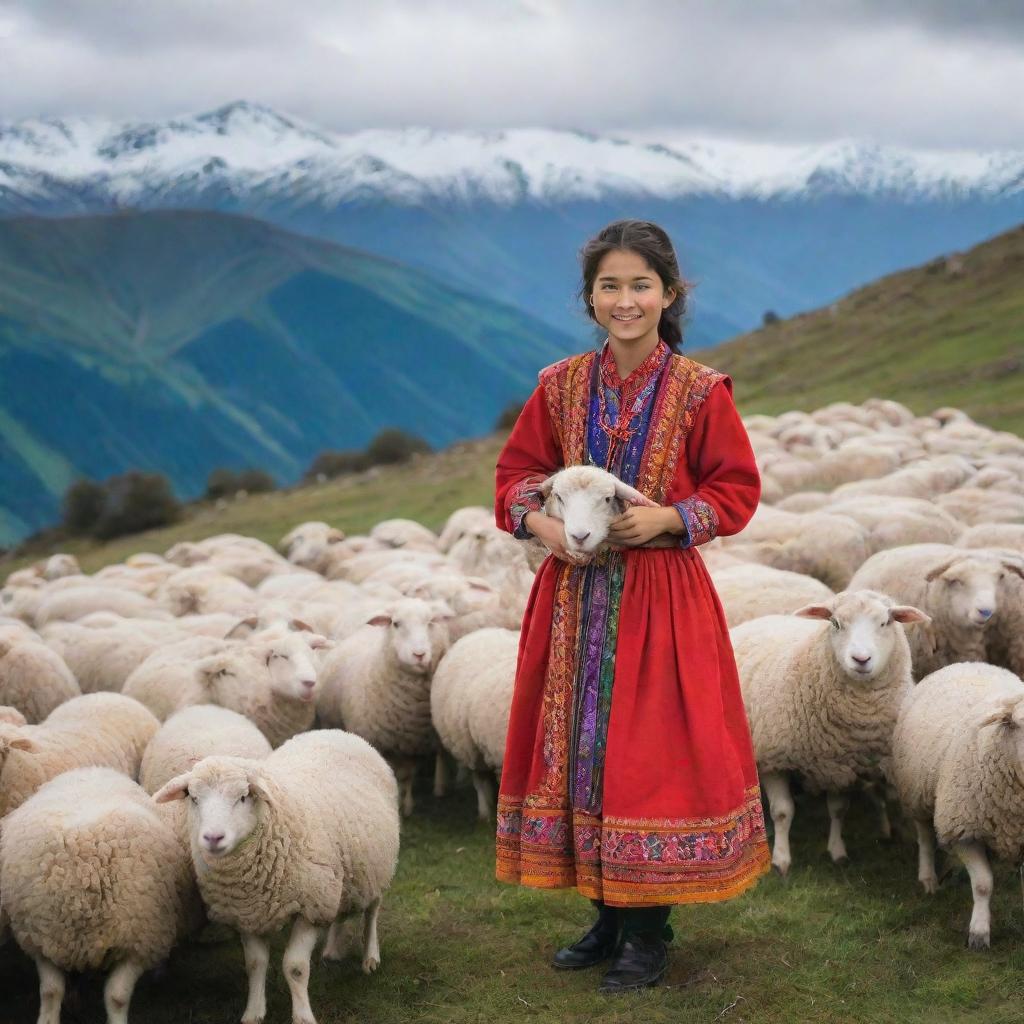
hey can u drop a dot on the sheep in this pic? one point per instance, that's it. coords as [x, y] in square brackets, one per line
[308, 544]
[96, 730]
[748, 591]
[958, 589]
[470, 701]
[94, 878]
[168, 681]
[976, 505]
[476, 604]
[958, 766]
[922, 480]
[898, 522]
[201, 590]
[404, 533]
[310, 834]
[196, 732]
[822, 700]
[74, 602]
[460, 522]
[376, 683]
[993, 535]
[33, 678]
[59, 565]
[361, 567]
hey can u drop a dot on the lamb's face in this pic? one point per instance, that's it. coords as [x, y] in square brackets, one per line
[586, 503]
[306, 544]
[291, 663]
[417, 632]
[13, 735]
[863, 630]
[969, 588]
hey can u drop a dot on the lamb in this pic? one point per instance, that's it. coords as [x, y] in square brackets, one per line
[404, 533]
[308, 544]
[460, 522]
[309, 835]
[958, 765]
[376, 683]
[898, 522]
[993, 535]
[168, 681]
[822, 700]
[193, 733]
[959, 590]
[748, 591]
[96, 730]
[476, 604]
[470, 701]
[74, 602]
[201, 590]
[94, 878]
[33, 678]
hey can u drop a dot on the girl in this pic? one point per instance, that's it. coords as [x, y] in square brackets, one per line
[628, 770]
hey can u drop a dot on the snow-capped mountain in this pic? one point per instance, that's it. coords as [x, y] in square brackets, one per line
[244, 150]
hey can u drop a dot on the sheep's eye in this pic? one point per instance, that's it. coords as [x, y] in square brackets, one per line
[955, 583]
[608, 500]
[193, 799]
[243, 798]
[835, 623]
[394, 625]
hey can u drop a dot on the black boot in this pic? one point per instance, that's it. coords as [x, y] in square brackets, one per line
[642, 959]
[597, 945]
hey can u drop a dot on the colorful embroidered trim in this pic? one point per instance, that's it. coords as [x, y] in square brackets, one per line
[701, 520]
[524, 497]
[633, 862]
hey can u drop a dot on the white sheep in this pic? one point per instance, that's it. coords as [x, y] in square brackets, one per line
[376, 683]
[404, 533]
[460, 522]
[96, 730]
[748, 591]
[193, 733]
[470, 701]
[33, 678]
[959, 590]
[993, 535]
[94, 878]
[308, 544]
[958, 765]
[822, 699]
[309, 835]
[74, 602]
[201, 590]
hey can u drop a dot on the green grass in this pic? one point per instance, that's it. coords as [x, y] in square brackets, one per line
[833, 944]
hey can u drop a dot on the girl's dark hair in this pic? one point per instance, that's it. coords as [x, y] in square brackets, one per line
[651, 243]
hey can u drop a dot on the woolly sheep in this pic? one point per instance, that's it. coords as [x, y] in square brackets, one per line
[96, 730]
[822, 700]
[976, 505]
[993, 535]
[193, 733]
[361, 567]
[308, 543]
[897, 522]
[922, 480]
[74, 602]
[958, 765]
[376, 683]
[33, 678]
[309, 835]
[404, 533]
[470, 701]
[201, 590]
[94, 878]
[959, 590]
[168, 681]
[460, 521]
[749, 591]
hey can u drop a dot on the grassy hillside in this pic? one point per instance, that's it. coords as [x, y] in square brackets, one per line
[948, 333]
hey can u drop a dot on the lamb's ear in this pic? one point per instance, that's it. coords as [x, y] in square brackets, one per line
[298, 626]
[907, 614]
[1015, 567]
[442, 612]
[814, 611]
[940, 569]
[1003, 715]
[242, 629]
[316, 642]
[544, 488]
[478, 584]
[208, 668]
[176, 789]
[258, 785]
[380, 619]
[335, 535]
[630, 494]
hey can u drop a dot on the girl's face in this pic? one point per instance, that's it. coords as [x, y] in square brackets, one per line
[628, 297]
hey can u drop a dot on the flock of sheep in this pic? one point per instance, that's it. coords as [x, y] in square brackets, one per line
[275, 706]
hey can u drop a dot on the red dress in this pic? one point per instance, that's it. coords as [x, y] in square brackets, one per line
[629, 771]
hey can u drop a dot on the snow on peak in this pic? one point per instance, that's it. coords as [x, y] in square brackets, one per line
[247, 147]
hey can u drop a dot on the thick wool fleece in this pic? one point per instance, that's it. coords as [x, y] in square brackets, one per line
[751, 590]
[92, 873]
[806, 715]
[96, 730]
[33, 678]
[326, 842]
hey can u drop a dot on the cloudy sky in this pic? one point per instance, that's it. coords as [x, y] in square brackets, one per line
[945, 73]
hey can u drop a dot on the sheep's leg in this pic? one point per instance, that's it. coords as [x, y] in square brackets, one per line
[371, 947]
[926, 856]
[117, 993]
[296, 969]
[781, 808]
[51, 991]
[879, 796]
[338, 939]
[484, 786]
[405, 773]
[838, 803]
[257, 957]
[440, 774]
[976, 861]
[461, 774]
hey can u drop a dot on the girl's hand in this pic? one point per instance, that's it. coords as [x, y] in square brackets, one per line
[550, 531]
[639, 524]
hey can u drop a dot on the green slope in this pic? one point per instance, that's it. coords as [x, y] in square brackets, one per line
[950, 332]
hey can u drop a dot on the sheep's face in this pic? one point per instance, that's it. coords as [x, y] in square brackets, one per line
[290, 660]
[224, 796]
[417, 631]
[13, 735]
[863, 630]
[306, 544]
[586, 499]
[183, 599]
[463, 596]
[968, 588]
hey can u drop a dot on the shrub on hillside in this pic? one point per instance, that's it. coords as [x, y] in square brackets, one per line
[221, 482]
[83, 505]
[133, 502]
[393, 445]
[337, 463]
[509, 415]
[770, 317]
[256, 481]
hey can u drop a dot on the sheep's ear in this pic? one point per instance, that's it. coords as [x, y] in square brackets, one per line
[5, 648]
[14, 739]
[442, 612]
[545, 486]
[319, 643]
[335, 535]
[814, 611]
[940, 569]
[630, 494]
[1003, 715]
[298, 626]
[207, 668]
[12, 716]
[1015, 567]
[382, 619]
[243, 628]
[258, 786]
[907, 614]
[176, 789]
[481, 585]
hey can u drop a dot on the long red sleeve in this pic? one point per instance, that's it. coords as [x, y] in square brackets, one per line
[720, 464]
[531, 454]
